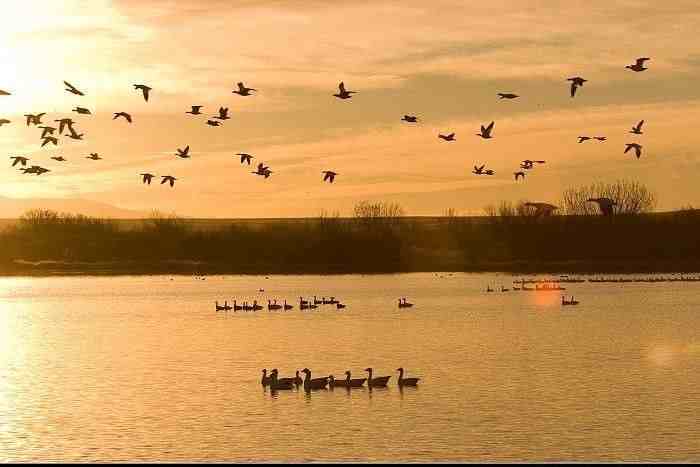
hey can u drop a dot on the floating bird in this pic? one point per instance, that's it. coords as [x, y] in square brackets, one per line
[450, 137]
[486, 132]
[122, 114]
[47, 130]
[575, 83]
[82, 110]
[639, 64]
[58, 158]
[34, 119]
[519, 174]
[329, 175]
[168, 178]
[410, 118]
[637, 130]
[64, 122]
[605, 205]
[637, 149]
[94, 156]
[581, 139]
[342, 93]
[73, 89]
[3, 121]
[195, 110]
[184, 153]
[19, 160]
[213, 123]
[245, 157]
[147, 177]
[145, 89]
[223, 113]
[542, 209]
[504, 95]
[380, 381]
[49, 139]
[406, 381]
[242, 90]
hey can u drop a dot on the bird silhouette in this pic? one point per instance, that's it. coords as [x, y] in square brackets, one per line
[74, 135]
[342, 93]
[47, 130]
[49, 139]
[19, 160]
[604, 204]
[600, 138]
[488, 172]
[242, 90]
[519, 174]
[527, 164]
[486, 132]
[478, 170]
[147, 177]
[213, 123]
[223, 113]
[122, 114]
[245, 157]
[637, 149]
[507, 95]
[34, 119]
[637, 130]
[329, 175]
[4, 121]
[82, 110]
[58, 158]
[450, 137]
[144, 89]
[581, 139]
[575, 83]
[639, 65]
[263, 170]
[72, 89]
[168, 178]
[63, 123]
[195, 110]
[410, 118]
[94, 156]
[184, 153]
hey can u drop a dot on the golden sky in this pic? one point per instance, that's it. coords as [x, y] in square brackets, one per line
[443, 61]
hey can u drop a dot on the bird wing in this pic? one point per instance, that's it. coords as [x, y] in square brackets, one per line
[627, 148]
[640, 61]
[639, 125]
[341, 86]
[573, 88]
[241, 87]
[490, 127]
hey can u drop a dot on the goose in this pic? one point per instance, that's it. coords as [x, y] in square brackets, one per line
[600, 138]
[507, 95]
[256, 307]
[329, 175]
[478, 170]
[581, 139]
[404, 304]
[302, 301]
[143, 88]
[450, 137]
[4, 121]
[637, 149]
[122, 114]
[220, 307]
[637, 130]
[379, 382]
[74, 135]
[19, 160]
[34, 119]
[354, 382]
[64, 122]
[313, 306]
[245, 157]
[237, 307]
[486, 132]
[519, 174]
[58, 158]
[639, 65]
[82, 111]
[184, 153]
[242, 90]
[409, 118]
[195, 110]
[339, 306]
[147, 177]
[275, 374]
[489, 172]
[94, 156]
[604, 204]
[47, 130]
[273, 306]
[345, 383]
[277, 384]
[406, 381]
[168, 178]
[342, 93]
[333, 301]
[49, 139]
[213, 123]
[223, 114]
[265, 380]
[287, 307]
[313, 384]
[72, 89]
[575, 83]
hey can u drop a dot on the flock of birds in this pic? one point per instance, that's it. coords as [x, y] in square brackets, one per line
[272, 305]
[486, 132]
[275, 383]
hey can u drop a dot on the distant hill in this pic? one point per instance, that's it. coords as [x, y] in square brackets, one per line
[12, 208]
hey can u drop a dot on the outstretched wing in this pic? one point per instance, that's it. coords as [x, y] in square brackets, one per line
[490, 127]
[640, 61]
[573, 88]
[341, 86]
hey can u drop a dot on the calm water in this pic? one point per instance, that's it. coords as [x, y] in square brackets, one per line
[143, 368]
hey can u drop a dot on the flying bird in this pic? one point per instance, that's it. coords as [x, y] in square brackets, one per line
[58, 158]
[519, 174]
[637, 130]
[122, 114]
[94, 156]
[486, 132]
[49, 139]
[507, 95]
[72, 89]
[478, 170]
[450, 137]
[82, 110]
[19, 160]
[242, 90]
[263, 170]
[213, 123]
[410, 118]
[575, 83]
[637, 149]
[147, 178]
[639, 65]
[488, 172]
[47, 130]
[581, 139]
[184, 153]
[195, 110]
[245, 157]
[3, 121]
[329, 175]
[34, 119]
[342, 93]
[64, 122]
[168, 178]
[145, 89]
[223, 113]
[605, 205]
[74, 135]
[600, 138]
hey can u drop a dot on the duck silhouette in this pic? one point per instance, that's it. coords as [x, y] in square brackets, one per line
[72, 89]
[122, 114]
[195, 110]
[639, 65]
[19, 160]
[486, 132]
[450, 137]
[409, 118]
[637, 129]
[144, 89]
[343, 93]
[82, 111]
[183, 153]
[223, 113]
[507, 95]
[147, 177]
[329, 175]
[242, 90]
[575, 83]
[168, 178]
[245, 157]
[637, 149]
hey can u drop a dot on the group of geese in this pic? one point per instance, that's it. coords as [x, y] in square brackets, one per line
[275, 383]
[272, 305]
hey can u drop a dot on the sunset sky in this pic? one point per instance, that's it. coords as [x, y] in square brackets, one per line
[443, 61]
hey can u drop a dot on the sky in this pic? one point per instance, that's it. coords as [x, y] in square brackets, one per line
[444, 61]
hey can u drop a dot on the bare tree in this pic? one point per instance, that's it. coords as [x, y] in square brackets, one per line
[631, 197]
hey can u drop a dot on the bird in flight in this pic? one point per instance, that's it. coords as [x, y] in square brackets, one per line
[639, 65]
[3, 121]
[605, 205]
[49, 139]
[342, 93]
[581, 139]
[488, 172]
[47, 130]
[184, 153]
[600, 138]
[478, 170]
[410, 118]
[72, 89]
[223, 113]
[195, 110]
[245, 157]
[637, 149]
[82, 110]
[213, 123]
[486, 132]
[74, 135]
[242, 90]
[575, 83]
[122, 114]
[507, 95]
[263, 170]
[143, 88]
[519, 174]
[147, 177]
[19, 160]
[168, 178]
[64, 122]
[34, 119]
[35, 169]
[450, 137]
[4, 93]
[94, 156]
[329, 175]
[637, 130]
[58, 158]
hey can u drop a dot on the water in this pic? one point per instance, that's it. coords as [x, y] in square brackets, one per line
[143, 368]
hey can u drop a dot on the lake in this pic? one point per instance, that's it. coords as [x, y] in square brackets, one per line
[142, 368]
